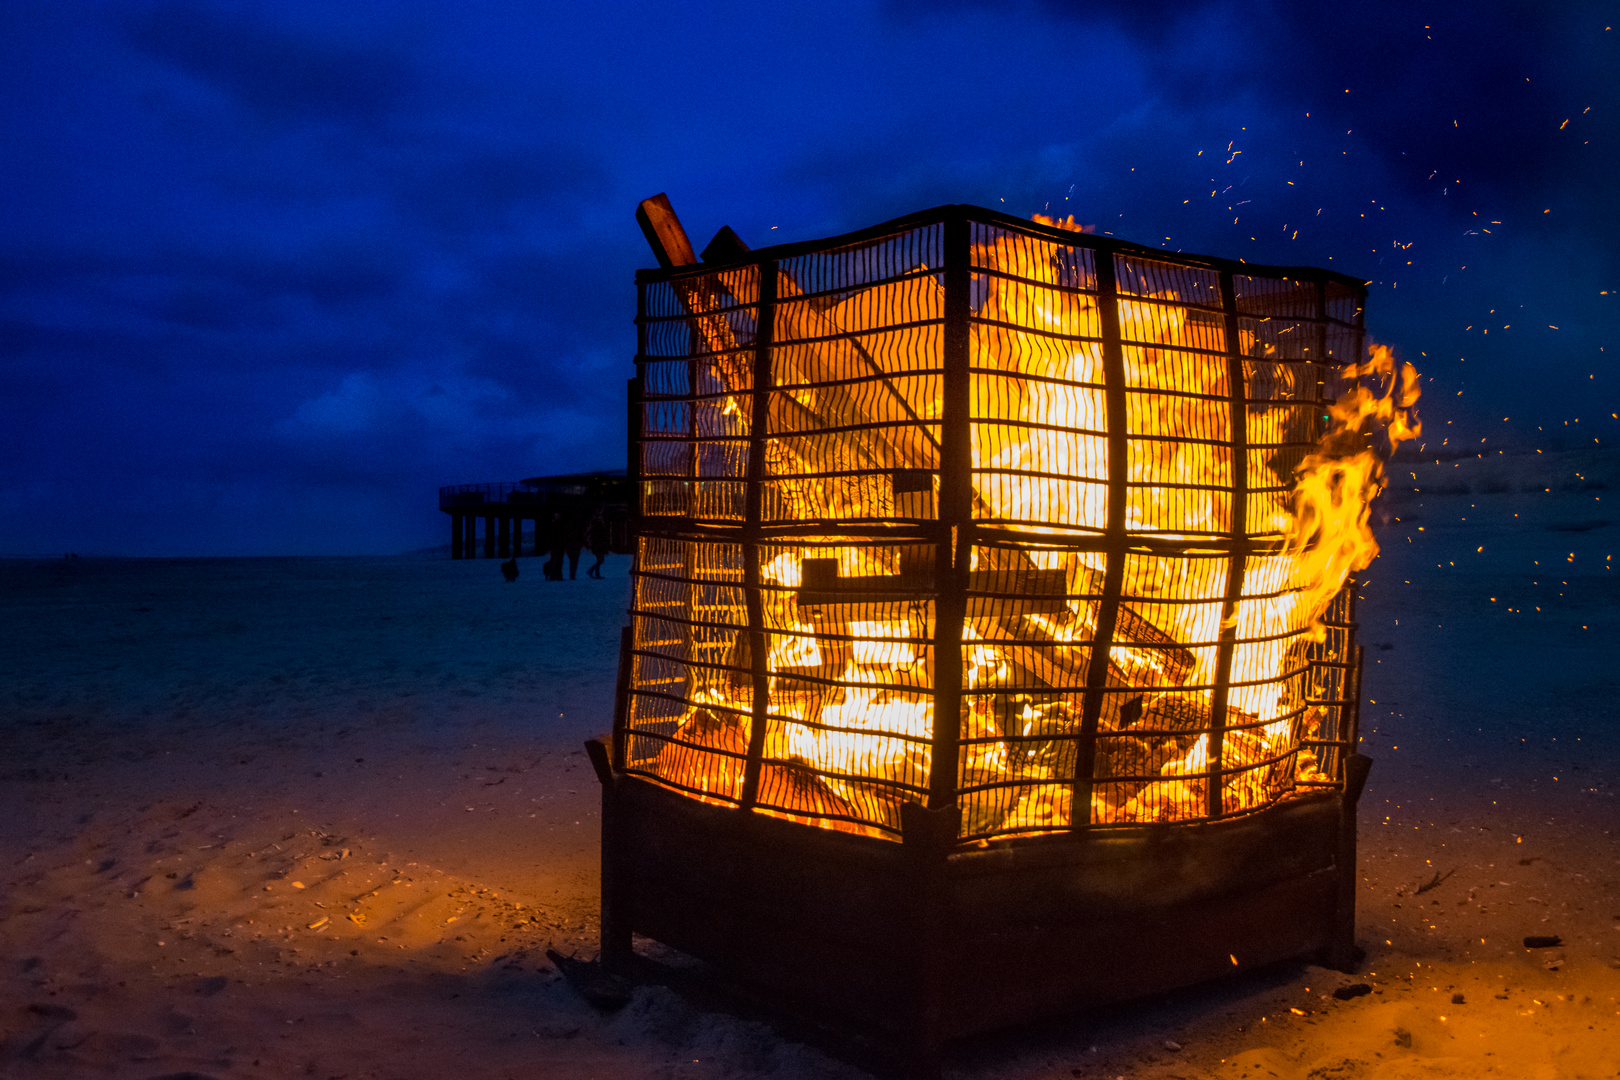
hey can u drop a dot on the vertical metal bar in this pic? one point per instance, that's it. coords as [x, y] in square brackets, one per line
[1352, 773]
[1319, 676]
[1348, 727]
[1350, 724]
[1237, 398]
[635, 431]
[632, 445]
[753, 513]
[619, 746]
[1114, 535]
[1319, 357]
[954, 544]
[1359, 322]
[1352, 650]
[1326, 681]
[635, 421]
[694, 456]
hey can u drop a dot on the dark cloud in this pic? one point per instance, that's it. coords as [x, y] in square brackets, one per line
[282, 75]
[212, 290]
[483, 189]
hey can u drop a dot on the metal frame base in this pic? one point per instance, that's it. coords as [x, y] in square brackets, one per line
[915, 943]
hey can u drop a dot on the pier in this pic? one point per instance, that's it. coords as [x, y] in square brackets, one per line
[488, 520]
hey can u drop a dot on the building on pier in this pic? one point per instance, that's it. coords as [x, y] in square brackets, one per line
[504, 509]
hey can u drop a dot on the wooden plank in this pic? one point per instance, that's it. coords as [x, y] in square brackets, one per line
[663, 232]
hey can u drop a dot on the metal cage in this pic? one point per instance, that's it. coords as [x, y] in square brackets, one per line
[965, 468]
[970, 533]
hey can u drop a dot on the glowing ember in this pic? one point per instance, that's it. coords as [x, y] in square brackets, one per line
[1205, 675]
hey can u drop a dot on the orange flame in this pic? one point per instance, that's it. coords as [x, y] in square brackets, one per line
[1329, 533]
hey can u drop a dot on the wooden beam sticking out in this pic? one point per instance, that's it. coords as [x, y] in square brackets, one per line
[664, 233]
[726, 247]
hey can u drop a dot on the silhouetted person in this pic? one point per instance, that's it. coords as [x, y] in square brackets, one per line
[509, 570]
[597, 539]
[574, 526]
[557, 540]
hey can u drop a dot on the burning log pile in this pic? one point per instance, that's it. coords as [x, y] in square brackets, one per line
[997, 515]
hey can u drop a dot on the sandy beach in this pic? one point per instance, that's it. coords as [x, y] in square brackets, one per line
[323, 817]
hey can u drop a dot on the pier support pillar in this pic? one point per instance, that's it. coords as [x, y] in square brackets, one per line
[489, 538]
[456, 531]
[469, 536]
[506, 538]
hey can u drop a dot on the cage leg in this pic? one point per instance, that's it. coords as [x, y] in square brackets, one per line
[919, 1052]
[1342, 954]
[928, 835]
[616, 949]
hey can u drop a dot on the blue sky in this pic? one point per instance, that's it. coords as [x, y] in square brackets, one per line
[271, 273]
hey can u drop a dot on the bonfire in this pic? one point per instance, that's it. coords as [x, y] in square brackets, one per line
[1077, 566]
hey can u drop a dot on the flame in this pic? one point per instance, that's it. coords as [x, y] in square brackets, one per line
[1328, 533]
[849, 711]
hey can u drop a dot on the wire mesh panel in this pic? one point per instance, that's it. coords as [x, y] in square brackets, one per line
[854, 404]
[696, 372]
[849, 721]
[976, 512]
[689, 718]
[1040, 449]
